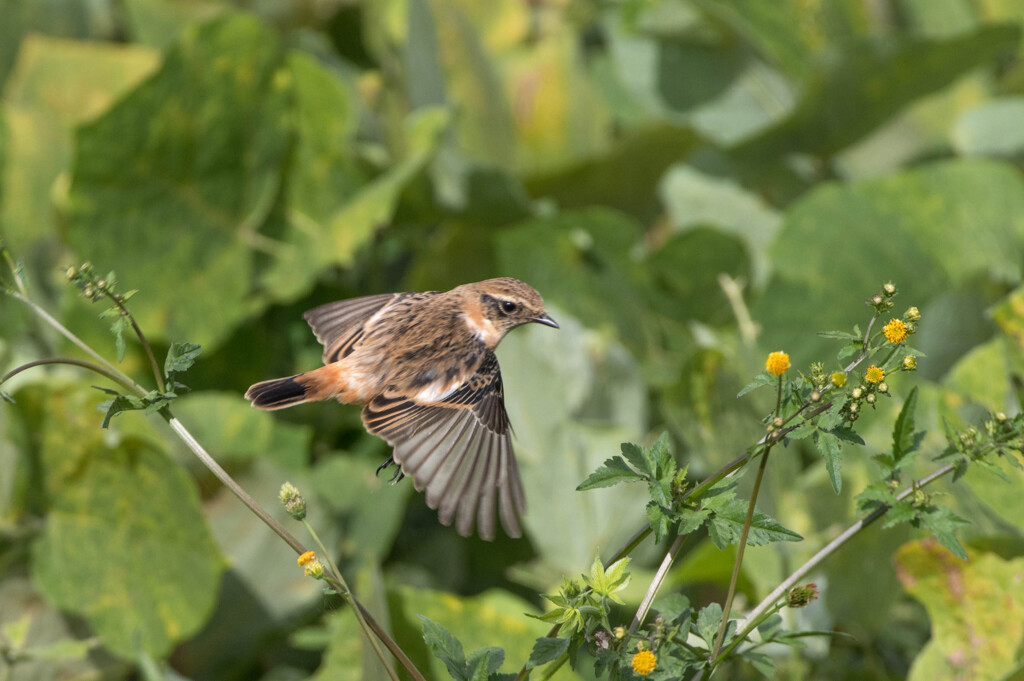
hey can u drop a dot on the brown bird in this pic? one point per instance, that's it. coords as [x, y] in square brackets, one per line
[423, 367]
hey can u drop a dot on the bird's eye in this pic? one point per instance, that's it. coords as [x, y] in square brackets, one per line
[508, 307]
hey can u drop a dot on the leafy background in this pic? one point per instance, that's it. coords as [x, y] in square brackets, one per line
[242, 162]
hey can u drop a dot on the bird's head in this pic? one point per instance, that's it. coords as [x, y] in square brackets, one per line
[499, 305]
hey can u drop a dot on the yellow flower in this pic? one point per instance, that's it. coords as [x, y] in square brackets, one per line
[838, 379]
[895, 331]
[777, 363]
[874, 374]
[644, 662]
[307, 558]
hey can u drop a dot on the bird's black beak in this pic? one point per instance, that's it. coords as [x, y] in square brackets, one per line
[546, 321]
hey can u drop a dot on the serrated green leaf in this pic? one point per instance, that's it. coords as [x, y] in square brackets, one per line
[659, 520]
[805, 429]
[691, 520]
[761, 662]
[118, 405]
[874, 495]
[181, 357]
[661, 456]
[709, 619]
[833, 416]
[614, 471]
[903, 431]
[661, 492]
[119, 326]
[672, 607]
[841, 335]
[830, 449]
[446, 648]
[483, 662]
[726, 526]
[759, 381]
[847, 434]
[547, 650]
[899, 512]
[635, 456]
[942, 523]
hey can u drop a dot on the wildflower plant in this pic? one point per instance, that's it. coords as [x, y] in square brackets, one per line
[667, 637]
[823, 407]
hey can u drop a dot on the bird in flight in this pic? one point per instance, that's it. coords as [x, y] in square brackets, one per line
[422, 366]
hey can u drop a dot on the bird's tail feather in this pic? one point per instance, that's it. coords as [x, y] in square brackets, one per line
[277, 393]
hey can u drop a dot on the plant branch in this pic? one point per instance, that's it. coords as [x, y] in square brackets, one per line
[350, 597]
[108, 370]
[82, 345]
[118, 300]
[73, 362]
[755, 616]
[659, 579]
[742, 545]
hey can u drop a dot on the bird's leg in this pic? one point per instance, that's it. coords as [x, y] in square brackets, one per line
[398, 470]
[390, 462]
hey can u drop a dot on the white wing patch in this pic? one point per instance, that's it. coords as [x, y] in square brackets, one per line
[436, 391]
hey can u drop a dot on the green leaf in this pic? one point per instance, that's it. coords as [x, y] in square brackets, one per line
[841, 335]
[131, 528]
[761, 662]
[874, 495]
[805, 429]
[119, 327]
[942, 523]
[614, 471]
[961, 599]
[446, 648]
[833, 415]
[483, 662]
[691, 520]
[848, 434]
[865, 83]
[830, 448]
[925, 254]
[672, 607]
[726, 525]
[761, 380]
[709, 619]
[636, 457]
[117, 405]
[661, 457]
[184, 168]
[547, 650]
[180, 358]
[660, 522]
[899, 512]
[904, 438]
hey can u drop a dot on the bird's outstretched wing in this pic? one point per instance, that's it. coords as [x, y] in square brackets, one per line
[458, 449]
[339, 326]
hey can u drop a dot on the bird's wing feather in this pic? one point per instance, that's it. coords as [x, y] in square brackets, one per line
[458, 449]
[338, 326]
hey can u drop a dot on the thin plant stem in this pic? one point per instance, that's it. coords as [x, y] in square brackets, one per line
[742, 545]
[73, 362]
[350, 598]
[82, 345]
[659, 579]
[111, 372]
[757, 615]
[142, 339]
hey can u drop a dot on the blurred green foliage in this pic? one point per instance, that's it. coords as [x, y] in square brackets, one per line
[689, 183]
